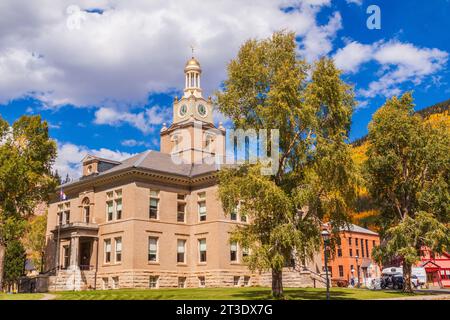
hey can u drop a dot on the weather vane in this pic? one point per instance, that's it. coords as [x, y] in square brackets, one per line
[193, 49]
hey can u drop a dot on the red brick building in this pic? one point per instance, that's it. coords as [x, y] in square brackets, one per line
[352, 258]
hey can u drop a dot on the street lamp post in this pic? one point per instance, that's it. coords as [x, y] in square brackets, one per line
[326, 237]
[357, 271]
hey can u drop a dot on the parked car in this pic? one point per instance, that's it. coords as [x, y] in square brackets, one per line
[418, 274]
[392, 281]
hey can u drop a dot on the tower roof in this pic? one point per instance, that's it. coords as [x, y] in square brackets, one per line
[192, 64]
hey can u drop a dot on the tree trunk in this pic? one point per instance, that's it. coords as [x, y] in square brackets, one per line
[277, 284]
[407, 269]
[2, 260]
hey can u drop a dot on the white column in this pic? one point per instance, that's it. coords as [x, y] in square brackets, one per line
[186, 80]
[74, 251]
[199, 80]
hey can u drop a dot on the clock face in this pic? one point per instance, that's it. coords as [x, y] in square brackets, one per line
[201, 110]
[183, 110]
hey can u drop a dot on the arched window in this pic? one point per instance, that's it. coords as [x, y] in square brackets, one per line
[86, 210]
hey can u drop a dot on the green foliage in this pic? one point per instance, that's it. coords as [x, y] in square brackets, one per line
[35, 239]
[407, 174]
[26, 156]
[14, 262]
[268, 88]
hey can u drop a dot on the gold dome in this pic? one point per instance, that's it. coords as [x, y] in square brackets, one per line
[192, 64]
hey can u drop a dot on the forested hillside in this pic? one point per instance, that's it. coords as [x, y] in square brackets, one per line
[365, 215]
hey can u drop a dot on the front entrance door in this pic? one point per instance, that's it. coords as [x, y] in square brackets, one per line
[433, 278]
[85, 255]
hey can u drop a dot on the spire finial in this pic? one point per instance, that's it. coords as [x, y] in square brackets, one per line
[193, 49]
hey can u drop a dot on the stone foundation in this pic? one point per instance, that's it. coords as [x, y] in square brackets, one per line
[67, 280]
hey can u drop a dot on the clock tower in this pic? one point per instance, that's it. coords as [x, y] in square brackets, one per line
[193, 135]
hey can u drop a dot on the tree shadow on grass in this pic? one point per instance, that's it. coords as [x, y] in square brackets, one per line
[313, 294]
[293, 294]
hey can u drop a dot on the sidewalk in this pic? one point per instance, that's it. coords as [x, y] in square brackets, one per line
[431, 297]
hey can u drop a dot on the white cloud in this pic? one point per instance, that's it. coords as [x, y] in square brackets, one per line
[349, 58]
[398, 62]
[317, 42]
[138, 47]
[134, 143]
[401, 63]
[143, 121]
[70, 155]
[357, 2]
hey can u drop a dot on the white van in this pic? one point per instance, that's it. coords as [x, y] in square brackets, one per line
[418, 272]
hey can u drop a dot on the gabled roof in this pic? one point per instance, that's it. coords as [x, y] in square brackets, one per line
[355, 228]
[92, 157]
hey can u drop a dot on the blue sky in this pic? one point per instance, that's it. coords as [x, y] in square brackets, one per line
[104, 73]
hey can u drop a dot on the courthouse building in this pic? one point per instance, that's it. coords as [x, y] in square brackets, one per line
[152, 220]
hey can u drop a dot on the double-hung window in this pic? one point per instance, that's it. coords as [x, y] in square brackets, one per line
[119, 209]
[110, 210]
[202, 210]
[233, 251]
[202, 249]
[107, 250]
[118, 249]
[154, 204]
[152, 249]
[181, 250]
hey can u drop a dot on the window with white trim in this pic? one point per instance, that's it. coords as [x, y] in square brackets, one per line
[63, 213]
[118, 249]
[107, 245]
[109, 210]
[181, 212]
[152, 249]
[233, 251]
[202, 250]
[118, 209]
[153, 282]
[202, 210]
[154, 204]
[181, 251]
[181, 282]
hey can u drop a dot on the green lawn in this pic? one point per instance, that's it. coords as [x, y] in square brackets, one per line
[253, 293]
[21, 296]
